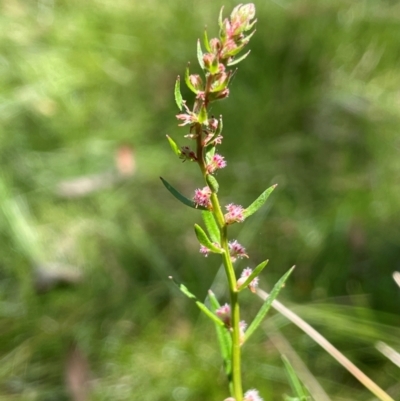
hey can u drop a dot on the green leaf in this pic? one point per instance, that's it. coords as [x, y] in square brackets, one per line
[200, 55]
[259, 201]
[294, 381]
[209, 152]
[223, 335]
[202, 117]
[267, 305]
[211, 225]
[205, 241]
[220, 17]
[187, 81]
[256, 272]
[180, 197]
[175, 148]
[238, 60]
[212, 183]
[206, 42]
[177, 92]
[201, 306]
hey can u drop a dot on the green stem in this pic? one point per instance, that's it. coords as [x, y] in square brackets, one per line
[236, 379]
[235, 319]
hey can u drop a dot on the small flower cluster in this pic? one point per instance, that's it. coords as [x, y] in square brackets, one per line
[235, 214]
[250, 395]
[253, 283]
[202, 197]
[237, 251]
[216, 163]
[224, 313]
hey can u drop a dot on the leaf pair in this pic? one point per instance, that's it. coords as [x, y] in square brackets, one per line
[247, 212]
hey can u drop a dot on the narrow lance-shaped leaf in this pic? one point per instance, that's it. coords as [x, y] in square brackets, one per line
[206, 42]
[177, 92]
[200, 305]
[259, 201]
[267, 305]
[256, 272]
[295, 382]
[180, 197]
[238, 60]
[187, 80]
[223, 335]
[211, 226]
[205, 241]
[220, 17]
[174, 146]
[200, 55]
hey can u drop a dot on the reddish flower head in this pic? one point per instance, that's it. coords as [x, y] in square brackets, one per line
[236, 250]
[235, 214]
[202, 197]
[216, 163]
[224, 313]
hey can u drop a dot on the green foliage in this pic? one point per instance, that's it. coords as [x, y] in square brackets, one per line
[319, 116]
[180, 197]
[267, 305]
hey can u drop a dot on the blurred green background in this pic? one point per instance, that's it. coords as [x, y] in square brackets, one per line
[89, 235]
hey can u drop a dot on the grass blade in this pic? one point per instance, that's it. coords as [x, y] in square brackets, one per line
[294, 381]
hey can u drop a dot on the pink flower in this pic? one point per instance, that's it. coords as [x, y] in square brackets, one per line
[224, 313]
[196, 81]
[188, 118]
[204, 250]
[202, 197]
[252, 395]
[241, 17]
[236, 250]
[235, 214]
[216, 163]
[253, 283]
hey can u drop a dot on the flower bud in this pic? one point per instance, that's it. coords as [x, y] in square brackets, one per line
[220, 81]
[211, 62]
[196, 81]
[224, 313]
[252, 395]
[241, 17]
[215, 45]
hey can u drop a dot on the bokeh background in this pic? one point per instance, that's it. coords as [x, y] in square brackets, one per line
[89, 235]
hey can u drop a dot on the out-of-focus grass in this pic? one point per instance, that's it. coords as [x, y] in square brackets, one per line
[314, 108]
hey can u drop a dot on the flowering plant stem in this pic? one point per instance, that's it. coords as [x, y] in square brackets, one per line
[229, 271]
[206, 131]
